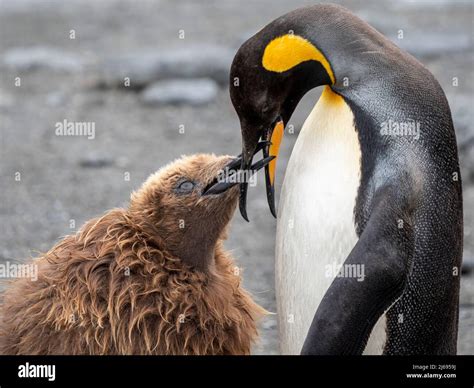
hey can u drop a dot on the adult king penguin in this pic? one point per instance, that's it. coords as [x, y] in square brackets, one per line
[369, 233]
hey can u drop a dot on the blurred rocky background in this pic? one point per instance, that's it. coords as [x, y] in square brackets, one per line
[152, 76]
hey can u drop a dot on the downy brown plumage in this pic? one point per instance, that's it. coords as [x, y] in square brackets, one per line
[150, 279]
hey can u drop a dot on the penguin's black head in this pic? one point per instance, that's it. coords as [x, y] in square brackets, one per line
[270, 74]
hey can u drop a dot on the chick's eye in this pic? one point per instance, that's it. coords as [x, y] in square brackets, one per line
[186, 186]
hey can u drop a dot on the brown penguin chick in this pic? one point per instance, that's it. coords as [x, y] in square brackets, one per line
[150, 279]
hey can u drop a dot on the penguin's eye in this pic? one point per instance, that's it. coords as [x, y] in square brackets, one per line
[185, 187]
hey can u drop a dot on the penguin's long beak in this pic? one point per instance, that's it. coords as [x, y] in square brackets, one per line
[271, 146]
[275, 137]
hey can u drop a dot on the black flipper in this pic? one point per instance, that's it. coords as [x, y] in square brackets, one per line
[350, 308]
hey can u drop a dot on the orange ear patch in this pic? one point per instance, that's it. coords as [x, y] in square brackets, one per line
[288, 51]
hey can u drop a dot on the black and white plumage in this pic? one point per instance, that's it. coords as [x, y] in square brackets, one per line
[357, 192]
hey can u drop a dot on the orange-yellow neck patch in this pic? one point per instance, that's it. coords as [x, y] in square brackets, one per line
[277, 136]
[287, 51]
[328, 97]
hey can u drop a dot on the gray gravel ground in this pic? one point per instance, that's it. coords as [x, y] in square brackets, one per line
[71, 178]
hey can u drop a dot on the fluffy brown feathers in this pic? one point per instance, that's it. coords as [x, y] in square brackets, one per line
[150, 279]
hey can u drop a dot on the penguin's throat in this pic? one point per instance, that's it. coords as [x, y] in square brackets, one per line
[316, 229]
[197, 248]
